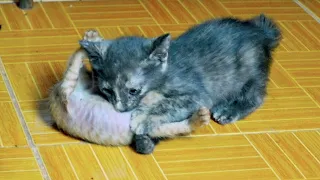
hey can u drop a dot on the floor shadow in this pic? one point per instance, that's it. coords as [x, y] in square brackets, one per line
[44, 113]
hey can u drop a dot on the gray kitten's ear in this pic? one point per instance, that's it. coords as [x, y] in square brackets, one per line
[160, 48]
[97, 47]
[96, 51]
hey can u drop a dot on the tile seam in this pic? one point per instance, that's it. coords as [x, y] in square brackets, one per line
[128, 163]
[69, 18]
[23, 123]
[69, 160]
[306, 148]
[303, 89]
[307, 10]
[287, 156]
[262, 157]
[5, 19]
[158, 165]
[99, 163]
[209, 172]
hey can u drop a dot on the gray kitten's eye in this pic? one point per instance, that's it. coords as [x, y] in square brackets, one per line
[134, 91]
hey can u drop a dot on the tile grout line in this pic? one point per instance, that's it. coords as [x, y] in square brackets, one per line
[54, 72]
[273, 82]
[69, 161]
[16, 158]
[272, 7]
[311, 33]
[166, 9]
[33, 80]
[208, 159]
[24, 170]
[210, 126]
[304, 69]
[185, 8]
[116, 19]
[5, 18]
[260, 132]
[252, 145]
[146, 9]
[306, 147]
[27, 19]
[305, 91]
[33, 46]
[307, 10]
[294, 36]
[23, 123]
[35, 37]
[113, 12]
[158, 165]
[207, 172]
[210, 13]
[125, 158]
[119, 29]
[225, 8]
[283, 47]
[1, 143]
[286, 155]
[99, 163]
[69, 18]
[47, 16]
[306, 76]
[139, 27]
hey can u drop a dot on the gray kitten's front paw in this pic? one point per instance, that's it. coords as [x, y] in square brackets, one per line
[143, 124]
[137, 118]
[139, 121]
[225, 115]
[144, 144]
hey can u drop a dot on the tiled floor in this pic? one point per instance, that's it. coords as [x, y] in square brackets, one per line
[279, 141]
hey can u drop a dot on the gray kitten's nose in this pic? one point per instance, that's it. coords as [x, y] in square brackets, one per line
[119, 107]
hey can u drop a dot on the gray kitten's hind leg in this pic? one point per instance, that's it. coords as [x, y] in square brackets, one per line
[250, 98]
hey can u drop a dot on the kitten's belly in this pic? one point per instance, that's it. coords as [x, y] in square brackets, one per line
[94, 119]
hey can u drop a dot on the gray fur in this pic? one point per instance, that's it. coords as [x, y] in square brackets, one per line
[223, 64]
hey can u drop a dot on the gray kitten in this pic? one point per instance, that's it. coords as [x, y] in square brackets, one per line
[223, 64]
[80, 111]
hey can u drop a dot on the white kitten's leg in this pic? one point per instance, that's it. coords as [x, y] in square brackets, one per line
[75, 63]
[71, 75]
[198, 119]
[92, 35]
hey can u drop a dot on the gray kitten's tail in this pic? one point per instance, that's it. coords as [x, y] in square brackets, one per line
[270, 28]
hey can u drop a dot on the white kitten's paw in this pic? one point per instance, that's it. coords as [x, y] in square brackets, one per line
[201, 117]
[92, 35]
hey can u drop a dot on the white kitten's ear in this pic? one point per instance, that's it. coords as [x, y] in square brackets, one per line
[96, 51]
[160, 48]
